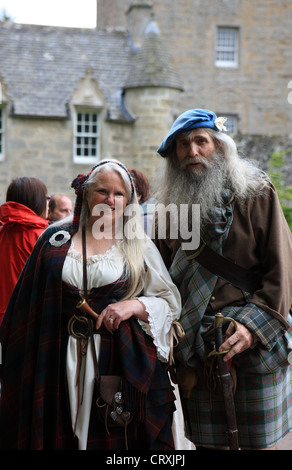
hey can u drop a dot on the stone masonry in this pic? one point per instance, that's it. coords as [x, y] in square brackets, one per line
[141, 80]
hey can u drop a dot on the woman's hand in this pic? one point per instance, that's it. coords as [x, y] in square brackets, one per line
[115, 313]
[238, 341]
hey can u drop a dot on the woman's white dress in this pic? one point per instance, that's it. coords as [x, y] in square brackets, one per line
[162, 301]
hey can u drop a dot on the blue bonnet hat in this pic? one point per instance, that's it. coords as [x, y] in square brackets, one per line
[189, 120]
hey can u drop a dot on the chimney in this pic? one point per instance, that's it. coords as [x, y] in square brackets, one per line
[111, 14]
[139, 15]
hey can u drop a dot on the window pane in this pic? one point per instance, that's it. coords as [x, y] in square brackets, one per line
[227, 46]
[1, 131]
[86, 134]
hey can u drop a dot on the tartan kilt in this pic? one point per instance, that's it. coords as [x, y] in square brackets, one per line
[263, 405]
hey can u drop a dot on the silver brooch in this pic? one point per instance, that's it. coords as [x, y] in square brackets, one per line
[60, 238]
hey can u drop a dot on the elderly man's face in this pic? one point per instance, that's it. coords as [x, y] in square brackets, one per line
[194, 148]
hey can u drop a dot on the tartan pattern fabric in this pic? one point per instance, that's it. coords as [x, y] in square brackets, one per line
[266, 328]
[31, 394]
[34, 409]
[259, 359]
[196, 285]
[146, 388]
[263, 410]
[263, 396]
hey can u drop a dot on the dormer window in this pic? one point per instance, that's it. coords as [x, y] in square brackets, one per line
[86, 136]
[2, 129]
[87, 110]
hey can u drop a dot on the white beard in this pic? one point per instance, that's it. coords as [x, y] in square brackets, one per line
[201, 186]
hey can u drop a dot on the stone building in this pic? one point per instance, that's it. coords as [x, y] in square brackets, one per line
[69, 96]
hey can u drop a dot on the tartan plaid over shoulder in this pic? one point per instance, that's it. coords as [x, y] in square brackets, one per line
[33, 343]
[196, 285]
[34, 407]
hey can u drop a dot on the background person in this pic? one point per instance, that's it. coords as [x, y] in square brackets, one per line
[60, 206]
[22, 221]
[48, 376]
[145, 198]
[241, 219]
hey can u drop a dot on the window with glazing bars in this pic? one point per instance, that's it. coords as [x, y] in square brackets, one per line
[227, 47]
[1, 134]
[86, 143]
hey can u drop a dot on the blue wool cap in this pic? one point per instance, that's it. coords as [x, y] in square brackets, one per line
[188, 120]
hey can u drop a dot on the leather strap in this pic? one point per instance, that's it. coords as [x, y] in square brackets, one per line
[84, 262]
[244, 279]
[85, 294]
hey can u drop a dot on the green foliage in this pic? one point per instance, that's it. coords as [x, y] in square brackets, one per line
[4, 16]
[276, 164]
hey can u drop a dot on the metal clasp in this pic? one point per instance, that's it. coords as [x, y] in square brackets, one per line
[80, 327]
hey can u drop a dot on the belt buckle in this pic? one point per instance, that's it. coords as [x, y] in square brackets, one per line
[80, 327]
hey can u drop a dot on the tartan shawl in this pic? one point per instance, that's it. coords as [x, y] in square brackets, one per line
[196, 284]
[34, 409]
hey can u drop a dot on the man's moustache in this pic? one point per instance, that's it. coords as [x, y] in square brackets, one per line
[192, 161]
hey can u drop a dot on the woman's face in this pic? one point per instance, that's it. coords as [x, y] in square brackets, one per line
[107, 200]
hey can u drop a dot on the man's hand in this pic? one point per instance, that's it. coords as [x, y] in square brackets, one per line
[238, 341]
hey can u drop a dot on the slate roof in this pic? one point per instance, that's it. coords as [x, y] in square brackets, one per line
[152, 66]
[42, 65]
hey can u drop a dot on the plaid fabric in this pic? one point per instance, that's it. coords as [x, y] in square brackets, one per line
[263, 396]
[34, 411]
[263, 411]
[196, 285]
[147, 391]
[33, 407]
[257, 360]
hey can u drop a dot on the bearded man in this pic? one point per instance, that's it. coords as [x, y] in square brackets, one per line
[241, 221]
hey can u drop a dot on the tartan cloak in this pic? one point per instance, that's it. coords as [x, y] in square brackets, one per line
[34, 408]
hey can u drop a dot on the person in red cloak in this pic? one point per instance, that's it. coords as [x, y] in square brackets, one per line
[22, 221]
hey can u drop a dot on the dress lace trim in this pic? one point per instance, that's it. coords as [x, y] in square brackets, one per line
[90, 259]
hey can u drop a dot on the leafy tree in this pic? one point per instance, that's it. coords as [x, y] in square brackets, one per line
[4, 16]
[276, 164]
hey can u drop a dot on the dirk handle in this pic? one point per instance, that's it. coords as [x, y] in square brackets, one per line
[226, 382]
[219, 319]
[86, 309]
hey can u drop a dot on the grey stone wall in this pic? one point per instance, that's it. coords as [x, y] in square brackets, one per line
[258, 89]
[260, 149]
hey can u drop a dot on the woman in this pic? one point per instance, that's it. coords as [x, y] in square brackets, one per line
[22, 221]
[47, 371]
[146, 201]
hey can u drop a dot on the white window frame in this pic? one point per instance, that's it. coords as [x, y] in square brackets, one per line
[80, 136]
[2, 134]
[223, 47]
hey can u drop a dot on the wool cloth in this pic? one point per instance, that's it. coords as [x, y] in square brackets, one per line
[263, 397]
[34, 408]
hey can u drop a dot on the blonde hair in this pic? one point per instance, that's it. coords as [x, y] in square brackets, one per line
[134, 239]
